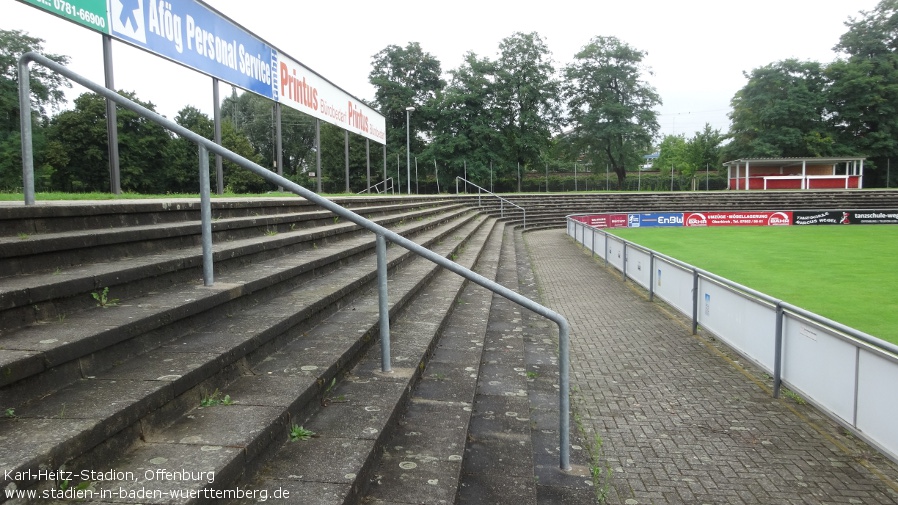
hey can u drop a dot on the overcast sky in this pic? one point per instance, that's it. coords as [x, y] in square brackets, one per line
[697, 50]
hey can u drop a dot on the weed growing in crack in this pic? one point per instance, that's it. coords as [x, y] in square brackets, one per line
[216, 399]
[103, 299]
[297, 432]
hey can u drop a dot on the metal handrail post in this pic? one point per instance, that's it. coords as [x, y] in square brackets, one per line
[206, 216]
[25, 123]
[384, 307]
[695, 301]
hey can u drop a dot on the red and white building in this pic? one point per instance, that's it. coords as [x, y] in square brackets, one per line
[795, 173]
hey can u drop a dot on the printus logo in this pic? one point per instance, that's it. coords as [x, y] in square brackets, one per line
[696, 220]
[778, 219]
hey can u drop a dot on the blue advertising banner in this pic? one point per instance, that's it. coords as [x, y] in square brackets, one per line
[190, 33]
[665, 219]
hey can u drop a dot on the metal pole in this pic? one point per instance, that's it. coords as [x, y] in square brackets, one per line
[385, 169]
[384, 307]
[519, 177]
[624, 264]
[491, 177]
[398, 174]
[206, 216]
[417, 191]
[115, 181]
[778, 352]
[279, 142]
[408, 152]
[346, 156]
[466, 176]
[547, 177]
[318, 151]
[25, 125]
[575, 177]
[368, 163]
[607, 177]
[651, 276]
[216, 122]
[436, 174]
[695, 300]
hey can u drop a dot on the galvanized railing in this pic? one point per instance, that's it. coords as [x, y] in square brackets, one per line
[386, 183]
[846, 372]
[502, 201]
[382, 234]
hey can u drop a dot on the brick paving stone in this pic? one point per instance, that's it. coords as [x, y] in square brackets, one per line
[679, 422]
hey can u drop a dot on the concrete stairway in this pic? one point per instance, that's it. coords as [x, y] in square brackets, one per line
[115, 357]
[548, 211]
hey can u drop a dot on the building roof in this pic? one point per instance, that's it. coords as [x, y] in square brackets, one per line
[785, 162]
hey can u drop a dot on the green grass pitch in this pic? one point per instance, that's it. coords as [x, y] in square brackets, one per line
[845, 273]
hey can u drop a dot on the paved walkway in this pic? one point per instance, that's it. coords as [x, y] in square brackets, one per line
[681, 418]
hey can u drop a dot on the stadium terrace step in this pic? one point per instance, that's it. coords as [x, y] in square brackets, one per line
[148, 357]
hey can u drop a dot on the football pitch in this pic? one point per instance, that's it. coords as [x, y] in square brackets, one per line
[845, 273]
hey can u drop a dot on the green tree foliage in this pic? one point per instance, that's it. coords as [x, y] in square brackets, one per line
[672, 154]
[78, 148]
[611, 108]
[47, 94]
[183, 169]
[255, 117]
[781, 112]
[466, 130]
[527, 97]
[406, 77]
[863, 95]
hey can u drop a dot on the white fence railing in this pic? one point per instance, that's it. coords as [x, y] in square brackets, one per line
[847, 373]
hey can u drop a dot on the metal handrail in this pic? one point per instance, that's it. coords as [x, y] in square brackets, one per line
[502, 201]
[382, 234]
[387, 187]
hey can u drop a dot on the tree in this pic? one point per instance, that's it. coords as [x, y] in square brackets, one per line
[611, 109]
[466, 132]
[781, 112]
[47, 94]
[703, 150]
[79, 153]
[406, 77]
[863, 94]
[527, 97]
[673, 154]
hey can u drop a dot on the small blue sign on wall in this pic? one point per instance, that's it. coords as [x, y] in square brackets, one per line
[656, 219]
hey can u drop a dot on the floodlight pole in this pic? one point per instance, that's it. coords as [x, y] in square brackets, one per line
[408, 152]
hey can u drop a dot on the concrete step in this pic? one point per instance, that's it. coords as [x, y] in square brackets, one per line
[421, 462]
[150, 386]
[512, 452]
[352, 427]
[69, 345]
[52, 252]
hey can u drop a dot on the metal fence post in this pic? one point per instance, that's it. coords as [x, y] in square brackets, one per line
[206, 216]
[593, 242]
[694, 301]
[778, 352]
[623, 266]
[652, 276]
[381, 249]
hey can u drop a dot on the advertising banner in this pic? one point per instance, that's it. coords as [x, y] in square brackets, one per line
[90, 13]
[745, 218]
[663, 219]
[307, 92]
[191, 34]
[845, 217]
[604, 220]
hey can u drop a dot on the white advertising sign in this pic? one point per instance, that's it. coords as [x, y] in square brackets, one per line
[301, 89]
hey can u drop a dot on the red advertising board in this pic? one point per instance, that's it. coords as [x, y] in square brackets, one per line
[604, 220]
[745, 218]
